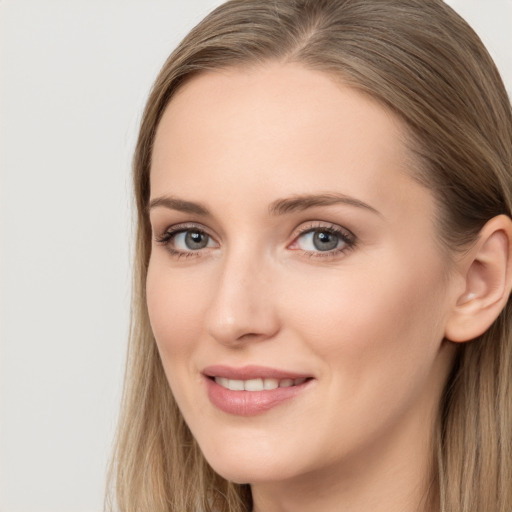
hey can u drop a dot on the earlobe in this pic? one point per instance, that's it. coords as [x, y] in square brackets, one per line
[488, 282]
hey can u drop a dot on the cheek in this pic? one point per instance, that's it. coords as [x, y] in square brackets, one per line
[378, 325]
[378, 347]
[175, 307]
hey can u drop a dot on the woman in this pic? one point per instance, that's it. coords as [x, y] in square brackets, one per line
[321, 311]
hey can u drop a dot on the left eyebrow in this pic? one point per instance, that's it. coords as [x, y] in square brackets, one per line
[303, 202]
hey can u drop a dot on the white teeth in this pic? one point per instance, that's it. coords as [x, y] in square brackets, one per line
[257, 384]
[222, 381]
[236, 385]
[270, 383]
[254, 385]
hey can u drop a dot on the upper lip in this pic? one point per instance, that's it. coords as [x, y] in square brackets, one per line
[251, 372]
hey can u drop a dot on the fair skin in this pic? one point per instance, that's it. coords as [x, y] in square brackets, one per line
[347, 288]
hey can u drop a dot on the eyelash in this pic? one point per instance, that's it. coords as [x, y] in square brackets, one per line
[166, 238]
[344, 235]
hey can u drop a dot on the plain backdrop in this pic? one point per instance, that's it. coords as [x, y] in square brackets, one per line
[74, 75]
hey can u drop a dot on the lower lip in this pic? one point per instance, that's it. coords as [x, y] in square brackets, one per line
[250, 403]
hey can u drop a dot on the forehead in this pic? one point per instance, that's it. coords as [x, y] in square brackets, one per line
[278, 130]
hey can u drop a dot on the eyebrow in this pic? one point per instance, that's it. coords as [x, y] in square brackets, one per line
[303, 202]
[180, 205]
[278, 207]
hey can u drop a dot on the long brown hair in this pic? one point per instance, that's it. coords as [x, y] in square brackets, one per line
[422, 61]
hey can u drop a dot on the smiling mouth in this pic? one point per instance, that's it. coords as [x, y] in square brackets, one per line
[252, 390]
[258, 384]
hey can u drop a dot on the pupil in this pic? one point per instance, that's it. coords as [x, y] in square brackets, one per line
[325, 241]
[196, 240]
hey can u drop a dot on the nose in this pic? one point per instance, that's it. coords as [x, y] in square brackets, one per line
[243, 308]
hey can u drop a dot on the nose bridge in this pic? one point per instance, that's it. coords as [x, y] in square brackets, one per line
[242, 306]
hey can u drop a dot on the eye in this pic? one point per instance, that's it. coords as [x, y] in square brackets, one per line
[186, 240]
[329, 240]
[319, 241]
[191, 240]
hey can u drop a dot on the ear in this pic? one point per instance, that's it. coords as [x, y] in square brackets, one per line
[487, 272]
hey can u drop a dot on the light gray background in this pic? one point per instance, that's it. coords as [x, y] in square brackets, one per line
[74, 77]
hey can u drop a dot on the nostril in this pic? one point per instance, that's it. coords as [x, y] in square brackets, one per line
[248, 336]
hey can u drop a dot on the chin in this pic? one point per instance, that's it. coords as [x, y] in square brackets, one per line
[249, 467]
[239, 474]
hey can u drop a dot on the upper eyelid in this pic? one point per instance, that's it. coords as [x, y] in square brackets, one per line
[184, 226]
[319, 225]
[302, 228]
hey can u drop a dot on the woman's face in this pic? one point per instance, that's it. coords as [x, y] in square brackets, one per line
[296, 288]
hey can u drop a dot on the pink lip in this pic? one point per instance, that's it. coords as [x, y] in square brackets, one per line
[250, 403]
[250, 372]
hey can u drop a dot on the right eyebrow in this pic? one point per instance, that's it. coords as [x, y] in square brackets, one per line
[304, 202]
[173, 203]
